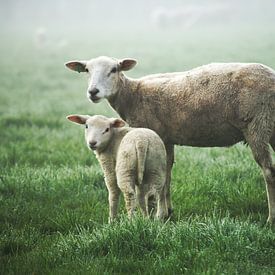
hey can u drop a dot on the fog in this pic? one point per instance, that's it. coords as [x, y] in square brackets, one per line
[89, 16]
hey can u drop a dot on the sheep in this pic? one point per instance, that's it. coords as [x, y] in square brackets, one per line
[133, 160]
[215, 105]
[41, 37]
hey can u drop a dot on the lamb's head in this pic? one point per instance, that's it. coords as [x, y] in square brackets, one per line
[105, 74]
[99, 130]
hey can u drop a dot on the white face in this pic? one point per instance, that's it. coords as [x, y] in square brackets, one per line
[99, 130]
[105, 75]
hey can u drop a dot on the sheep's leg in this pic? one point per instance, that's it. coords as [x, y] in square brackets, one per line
[271, 188]
[270, 179]
[272, 141]
[162, 211]
[258, 139]
[151, 205]
[170, 162]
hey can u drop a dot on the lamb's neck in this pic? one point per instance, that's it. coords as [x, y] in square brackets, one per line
[112, 148]
[126, 97]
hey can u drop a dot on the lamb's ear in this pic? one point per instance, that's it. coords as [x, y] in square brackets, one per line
[78, 66]
[79, 119]
[126, 64]
[117, 122]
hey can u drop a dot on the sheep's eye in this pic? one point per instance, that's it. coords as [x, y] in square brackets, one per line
[86, 126]
[106, 130]
[86, 70]
[114, 70]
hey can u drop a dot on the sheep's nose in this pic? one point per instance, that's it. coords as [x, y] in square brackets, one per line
[94, 91]
[92, 144]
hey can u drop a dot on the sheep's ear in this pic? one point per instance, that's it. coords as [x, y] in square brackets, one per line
[117, 123]
[78, 66]
[126, 64]
[79, 119]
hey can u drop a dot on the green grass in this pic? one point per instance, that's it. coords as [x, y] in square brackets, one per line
[53, 201]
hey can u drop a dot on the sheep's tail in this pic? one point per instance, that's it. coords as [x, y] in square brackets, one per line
[141, 151]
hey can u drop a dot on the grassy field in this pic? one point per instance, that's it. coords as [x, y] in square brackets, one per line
[53, 201]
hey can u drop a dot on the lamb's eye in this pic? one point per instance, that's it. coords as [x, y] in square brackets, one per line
[106, 130]
[86, 70]
[86, 126]
[114, 70]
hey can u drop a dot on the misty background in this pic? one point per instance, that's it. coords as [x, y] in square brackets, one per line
[38, 37]
[105, 15]
[45, 20]
[162, 35]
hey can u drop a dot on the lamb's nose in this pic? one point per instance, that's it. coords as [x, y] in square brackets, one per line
[92, 144]
[94, 91]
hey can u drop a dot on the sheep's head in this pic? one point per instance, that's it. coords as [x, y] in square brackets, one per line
[105, 74]
[99, 130]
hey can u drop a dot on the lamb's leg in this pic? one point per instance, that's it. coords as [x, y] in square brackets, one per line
[154, 187]
[126, 183]
[258, 139]
[114, 193]
[170, 162]
[130, 203]
[142, 200]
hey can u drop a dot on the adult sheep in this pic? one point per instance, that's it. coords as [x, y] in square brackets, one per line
[213, 105]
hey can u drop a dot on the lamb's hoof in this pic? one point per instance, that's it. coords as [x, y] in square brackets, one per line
[111, 220]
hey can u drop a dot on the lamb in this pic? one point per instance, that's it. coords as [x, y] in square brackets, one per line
[133, 161]
[219, 104]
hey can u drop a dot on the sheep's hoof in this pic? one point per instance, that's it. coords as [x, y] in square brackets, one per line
[271, 221]
[170, 212]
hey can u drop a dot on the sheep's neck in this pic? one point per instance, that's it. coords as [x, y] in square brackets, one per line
[141, 106]
[124, 101]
